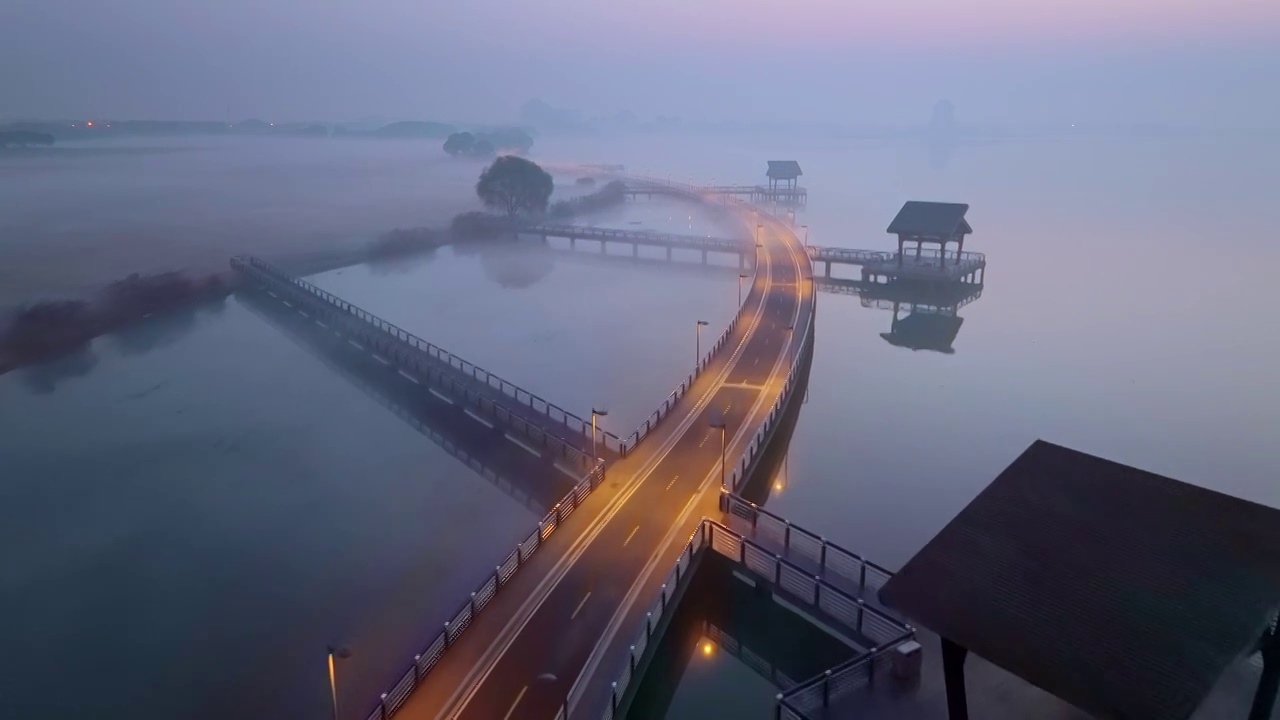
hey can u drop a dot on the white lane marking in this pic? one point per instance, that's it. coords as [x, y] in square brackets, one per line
[380, 359]
[414, 380]
[286, 302]
[467, 690]
[512, 709]
[356, 345]
[321, 324]
[437, 393]
[593, 660]
[479, 419]
[673, 481]
[579, 608]
[632, 533]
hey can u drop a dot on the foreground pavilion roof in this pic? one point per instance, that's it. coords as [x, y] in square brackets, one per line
[1125, 593]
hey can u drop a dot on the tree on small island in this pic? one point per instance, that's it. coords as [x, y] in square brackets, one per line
[460, 143]
[514, 184]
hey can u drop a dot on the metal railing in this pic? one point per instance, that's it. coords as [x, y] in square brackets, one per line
[867, 622]
[640, 237]
[805, 548]
[806, 700]
[391, 701]
[848, 255]
[401, 344]
[919, 308]
[858, 257]
[742, 469]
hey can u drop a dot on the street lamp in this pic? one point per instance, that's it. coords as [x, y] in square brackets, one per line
[741, 276]
[722, 427]
[341, 653]
[759, 227]
[594, 414]
[697, 348]
[806, 234]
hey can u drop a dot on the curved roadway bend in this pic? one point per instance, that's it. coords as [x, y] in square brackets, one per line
[576, 605]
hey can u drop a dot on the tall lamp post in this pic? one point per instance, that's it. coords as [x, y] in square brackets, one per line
[722, 427]
[594, 414]
[741, 276]
[697, 347]
[340, 653]
[806, 234]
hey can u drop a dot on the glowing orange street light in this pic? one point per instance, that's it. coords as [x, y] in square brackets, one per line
[594, 414]
[708, 648]
[340, 653]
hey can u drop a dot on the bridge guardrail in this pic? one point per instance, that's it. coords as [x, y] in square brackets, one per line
[408, 341]
[391, 701]
[670, 402]
[882, 629]
[639, 237]
[797, 543]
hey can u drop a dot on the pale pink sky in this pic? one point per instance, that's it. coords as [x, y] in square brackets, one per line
[1197, 61]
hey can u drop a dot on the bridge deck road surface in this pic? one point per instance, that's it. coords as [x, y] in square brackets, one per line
[576, 604]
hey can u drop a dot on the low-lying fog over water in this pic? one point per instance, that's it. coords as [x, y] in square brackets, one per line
[78, 216]
[194, 509]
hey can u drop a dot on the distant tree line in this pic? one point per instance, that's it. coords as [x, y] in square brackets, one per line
[612, 194]
[24, 138]
[519, 189]
[485, 145]
[44, 329]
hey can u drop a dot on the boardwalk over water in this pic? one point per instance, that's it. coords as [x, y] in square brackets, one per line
[526, 477]
[749, 193]
[541, 426]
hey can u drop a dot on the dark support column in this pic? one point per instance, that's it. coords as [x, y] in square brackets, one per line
[1264, 698]
[960, 250]
[953, 656]
[901, 249]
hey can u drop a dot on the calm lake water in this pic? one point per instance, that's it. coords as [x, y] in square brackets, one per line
[190, 515]
[192, 511]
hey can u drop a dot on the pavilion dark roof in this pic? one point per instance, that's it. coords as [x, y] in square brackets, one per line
[1120, 591]
[930, 219]
[784, 169]
[925, 331]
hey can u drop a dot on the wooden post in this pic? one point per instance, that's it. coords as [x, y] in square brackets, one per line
[953, 656]
[1264, 698]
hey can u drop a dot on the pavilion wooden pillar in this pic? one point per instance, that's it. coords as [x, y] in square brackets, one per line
[901, 249]
[953, 656]
[1264, 698]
